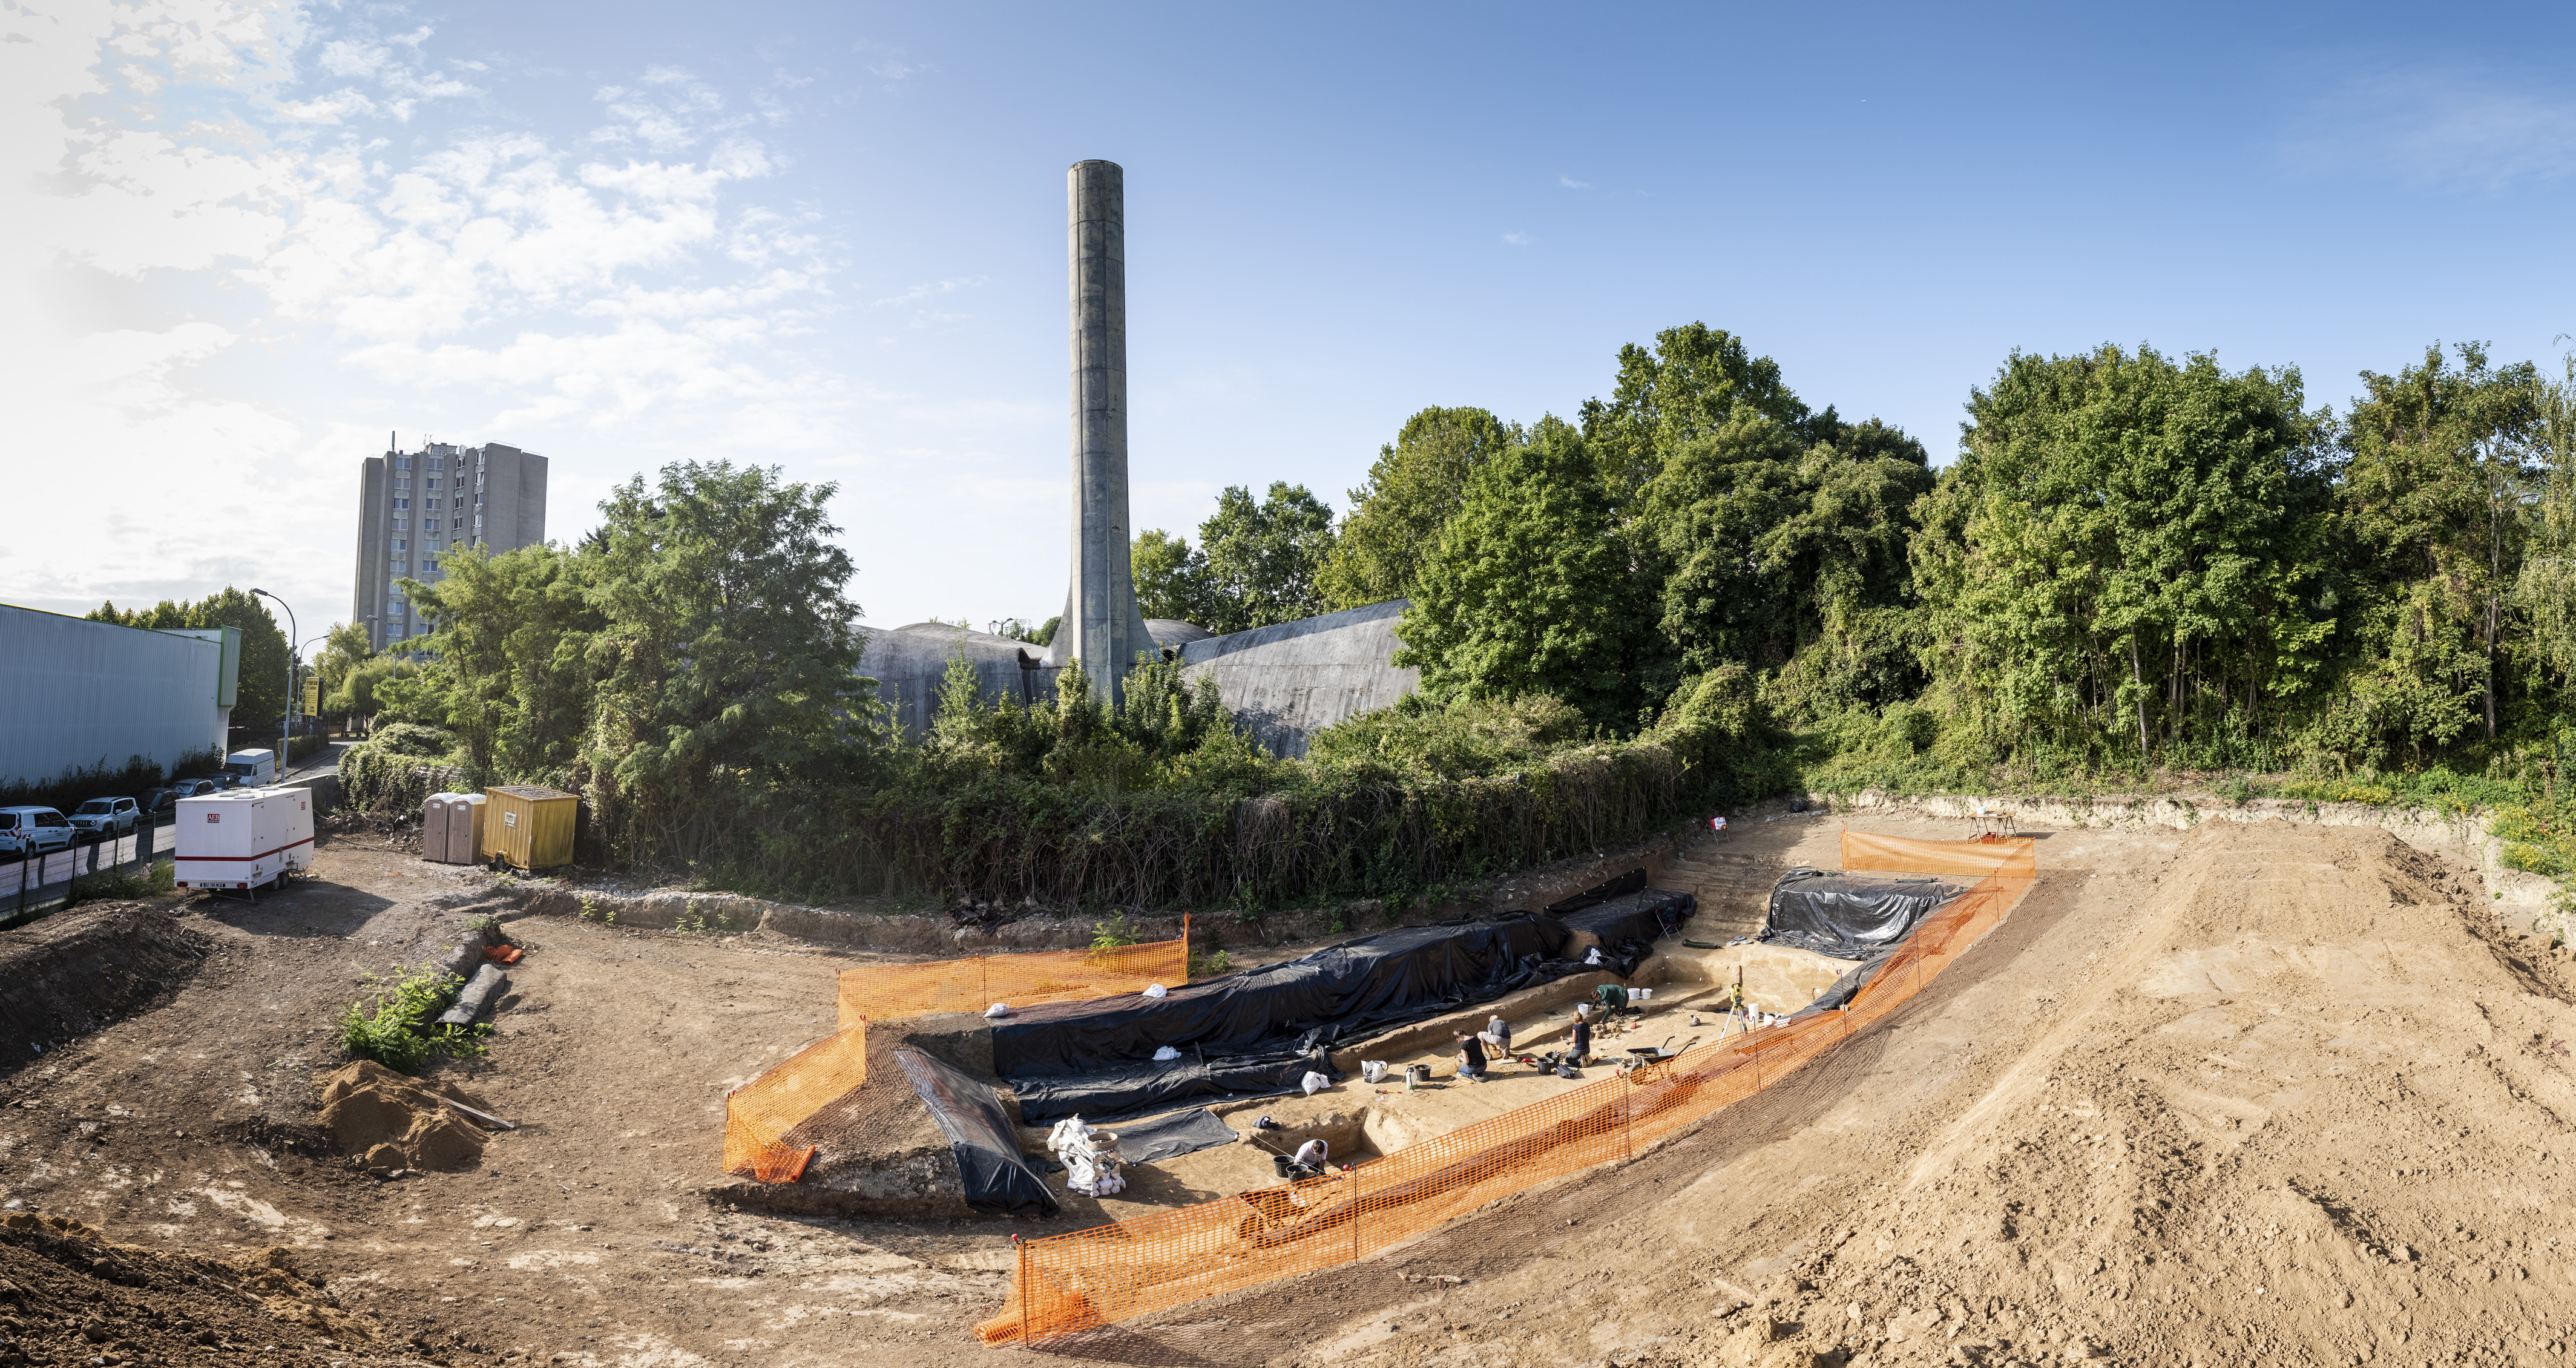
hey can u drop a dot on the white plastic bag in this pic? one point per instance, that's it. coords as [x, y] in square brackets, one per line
[1592, 956]
[998, 1009]
[1166, 1053]
[1315, 1083]
[1373, 1070]
[1155, 990]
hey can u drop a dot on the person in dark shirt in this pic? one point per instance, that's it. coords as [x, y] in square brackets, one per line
[1581, 1053]
[1471, 1058]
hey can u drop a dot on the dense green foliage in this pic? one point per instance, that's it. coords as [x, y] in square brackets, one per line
[1256, 563]
[691, 671]
[1698, 591]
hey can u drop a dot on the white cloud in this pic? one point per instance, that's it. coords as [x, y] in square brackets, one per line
[1517, 239]
[1571, 183]
[221, 154]
[2441, 126]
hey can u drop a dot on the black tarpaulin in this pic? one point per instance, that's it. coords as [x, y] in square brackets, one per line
[1144, 1088]
[1599, 893]
[1848, 916]
[1632, 922]
[979, 1133]
[1341, 992]
[1169, 1137]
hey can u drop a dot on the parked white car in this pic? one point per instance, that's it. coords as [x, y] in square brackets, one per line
[104, 817]
[33, 830]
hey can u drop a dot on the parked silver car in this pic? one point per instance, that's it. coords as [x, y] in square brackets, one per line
[105, 817]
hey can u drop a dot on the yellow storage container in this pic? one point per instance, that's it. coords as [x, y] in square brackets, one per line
[529, 827]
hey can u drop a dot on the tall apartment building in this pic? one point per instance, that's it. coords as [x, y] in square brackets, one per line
[414, 508]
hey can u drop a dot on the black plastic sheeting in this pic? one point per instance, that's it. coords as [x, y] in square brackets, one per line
[1629, 924]
[1257, 1033]
[1172, 1136]
[1848, 916]
[1145, 1088]
[979, 1133]
[1344, 991]
[1631, 882]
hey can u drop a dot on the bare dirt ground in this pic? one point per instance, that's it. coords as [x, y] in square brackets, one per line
[2246, 1094]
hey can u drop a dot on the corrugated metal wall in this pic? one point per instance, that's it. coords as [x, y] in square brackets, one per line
[75, 693]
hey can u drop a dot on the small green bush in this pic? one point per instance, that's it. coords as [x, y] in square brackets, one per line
[396, 1032]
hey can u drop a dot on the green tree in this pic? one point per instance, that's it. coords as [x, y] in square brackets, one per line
[511, 659]
[1171, 579]
[2444, 460]
[1411, 491]
[1531, 591]
[1773, 548]
[1256, 562]
[2129, 546]
[1695, 380]
[727, 662]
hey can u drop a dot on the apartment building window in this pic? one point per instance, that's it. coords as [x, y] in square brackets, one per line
[428, 565]
[402, 524]
[401, 545]
[431, 482]
[430, 504]
[398, 568]
[402, 503]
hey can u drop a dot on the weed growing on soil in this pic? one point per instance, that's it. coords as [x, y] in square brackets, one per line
[1209, 966]
[695, 923]
[123, 885]
[1117, 931]
[396, 1034]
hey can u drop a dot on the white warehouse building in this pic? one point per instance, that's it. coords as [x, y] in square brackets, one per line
[76, 693]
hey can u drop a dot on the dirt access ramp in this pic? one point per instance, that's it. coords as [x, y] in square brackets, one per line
[2252, 1094]
[70, 974]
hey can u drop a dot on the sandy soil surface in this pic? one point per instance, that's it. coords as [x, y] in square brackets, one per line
[2258, 1094]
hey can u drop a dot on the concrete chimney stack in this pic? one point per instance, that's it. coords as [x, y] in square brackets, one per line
[1102, 627]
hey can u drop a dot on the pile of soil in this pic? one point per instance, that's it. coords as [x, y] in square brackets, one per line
[68, 1295]
[2200, 1160]
[877, 1152]
[393, 1123]
[79, 970]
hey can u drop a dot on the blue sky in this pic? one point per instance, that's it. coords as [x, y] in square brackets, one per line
[250, 239]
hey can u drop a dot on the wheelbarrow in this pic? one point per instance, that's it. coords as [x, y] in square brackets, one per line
[1643, 1056]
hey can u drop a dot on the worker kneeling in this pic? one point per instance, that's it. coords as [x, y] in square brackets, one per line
[1471, 1057]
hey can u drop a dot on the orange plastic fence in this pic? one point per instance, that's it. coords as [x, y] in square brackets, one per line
[1089, 1278]
[760, 1112]
[884, 992]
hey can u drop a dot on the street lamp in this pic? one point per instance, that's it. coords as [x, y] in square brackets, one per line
[294, 699]
[282, 734]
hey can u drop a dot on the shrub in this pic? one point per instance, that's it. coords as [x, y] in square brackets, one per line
[394, 1029]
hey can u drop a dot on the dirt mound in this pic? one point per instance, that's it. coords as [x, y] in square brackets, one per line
[75, 972]
[2314, 1108]
[393, 1123]
[67, 1295]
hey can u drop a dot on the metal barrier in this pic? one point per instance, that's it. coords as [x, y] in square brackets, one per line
[34, 884]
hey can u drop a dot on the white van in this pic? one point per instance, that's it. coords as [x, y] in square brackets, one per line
[252, 768]
[243, 838]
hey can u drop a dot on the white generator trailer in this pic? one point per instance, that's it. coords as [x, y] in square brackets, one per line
[241, 839]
